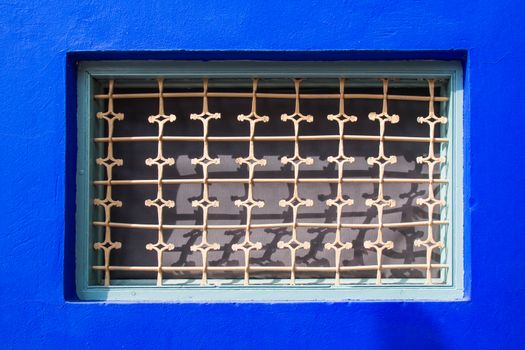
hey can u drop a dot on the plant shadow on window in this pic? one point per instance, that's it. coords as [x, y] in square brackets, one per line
[133, 252]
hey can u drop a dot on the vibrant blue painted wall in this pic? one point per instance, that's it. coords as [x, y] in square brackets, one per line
[39, 44]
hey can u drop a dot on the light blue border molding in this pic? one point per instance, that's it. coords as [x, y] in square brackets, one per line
[452, 287]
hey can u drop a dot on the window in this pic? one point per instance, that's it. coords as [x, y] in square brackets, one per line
[269, 180]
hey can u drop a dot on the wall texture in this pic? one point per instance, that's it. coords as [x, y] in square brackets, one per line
[39, 44]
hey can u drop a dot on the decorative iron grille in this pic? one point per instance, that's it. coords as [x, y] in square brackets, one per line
[353, 235]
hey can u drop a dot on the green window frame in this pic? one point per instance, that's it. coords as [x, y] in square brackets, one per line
[451, 287]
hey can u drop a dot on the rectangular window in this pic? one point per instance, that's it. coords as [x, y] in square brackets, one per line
[275, 181]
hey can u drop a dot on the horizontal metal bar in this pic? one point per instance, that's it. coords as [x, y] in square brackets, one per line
[271, 268]
[269, 225]
[267, 95]
[266, 180]
[268, 138]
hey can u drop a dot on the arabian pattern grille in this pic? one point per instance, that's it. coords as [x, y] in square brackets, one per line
[266, 181]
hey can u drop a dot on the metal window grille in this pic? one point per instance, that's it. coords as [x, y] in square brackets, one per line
[349, 246]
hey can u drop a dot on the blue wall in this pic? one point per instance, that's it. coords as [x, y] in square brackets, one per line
[39, 44]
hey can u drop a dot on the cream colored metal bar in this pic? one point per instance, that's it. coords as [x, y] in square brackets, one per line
[340, 201]
[250, 203]
[271, 138]
[295, 202]
[269, 180]
[268, 95]
[430, 201]
[272, 268]
[381, 161]
[270, 225]
[205, 203]
[159, 202]
[108, 202]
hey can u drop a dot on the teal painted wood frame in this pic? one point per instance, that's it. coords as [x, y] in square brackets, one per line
[452, 287]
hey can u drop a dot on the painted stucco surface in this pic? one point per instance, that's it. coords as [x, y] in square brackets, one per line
[39, 44]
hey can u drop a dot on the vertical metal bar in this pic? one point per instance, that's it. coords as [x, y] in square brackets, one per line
[108, 202]
[340, 201]
[250, 203]
[381, 161]
[430, 201]
[159, 202]
[205, 203]
[296, 161]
